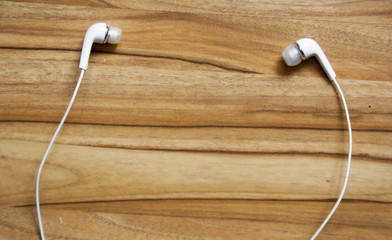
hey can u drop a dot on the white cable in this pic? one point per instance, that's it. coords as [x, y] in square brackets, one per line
[348, 163]
[47, 152]
[69, 108]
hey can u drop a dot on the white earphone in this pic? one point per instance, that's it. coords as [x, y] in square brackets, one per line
[96, 33]
[293, 55]
[304, 49]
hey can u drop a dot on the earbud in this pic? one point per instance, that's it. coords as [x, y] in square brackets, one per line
[98, 33]
[304, 49]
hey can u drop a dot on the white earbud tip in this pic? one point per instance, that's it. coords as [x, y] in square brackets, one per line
[291, 55]
[114, 35]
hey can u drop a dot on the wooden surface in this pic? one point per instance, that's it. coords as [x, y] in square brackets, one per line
[193, 127]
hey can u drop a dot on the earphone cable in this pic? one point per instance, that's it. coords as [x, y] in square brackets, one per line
[69, 108]
[348, 161]
[47, 152]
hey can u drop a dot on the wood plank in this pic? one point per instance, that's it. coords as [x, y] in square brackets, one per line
[149, 91]
[242, 43]
[83, 173]
[207, 139]
[331, 10]
[195, 219]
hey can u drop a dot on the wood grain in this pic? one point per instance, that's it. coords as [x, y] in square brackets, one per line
[77, 174]
[245, 43]
[154, 92]
[199, 219]
[193, 127]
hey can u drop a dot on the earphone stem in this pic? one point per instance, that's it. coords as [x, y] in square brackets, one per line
[96, 33]
[308, 48]
[85, 55]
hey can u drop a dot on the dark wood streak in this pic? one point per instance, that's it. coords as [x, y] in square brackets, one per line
[144, 56]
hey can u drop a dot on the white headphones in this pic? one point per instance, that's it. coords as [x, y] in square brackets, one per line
[306, 48]
[292, 55]
[98, 33]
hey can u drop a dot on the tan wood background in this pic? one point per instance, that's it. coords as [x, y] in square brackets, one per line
[193, 127]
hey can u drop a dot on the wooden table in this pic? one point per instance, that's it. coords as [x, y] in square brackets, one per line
[193, 127]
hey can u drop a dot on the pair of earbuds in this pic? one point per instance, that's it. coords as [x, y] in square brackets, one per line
[292, 54]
